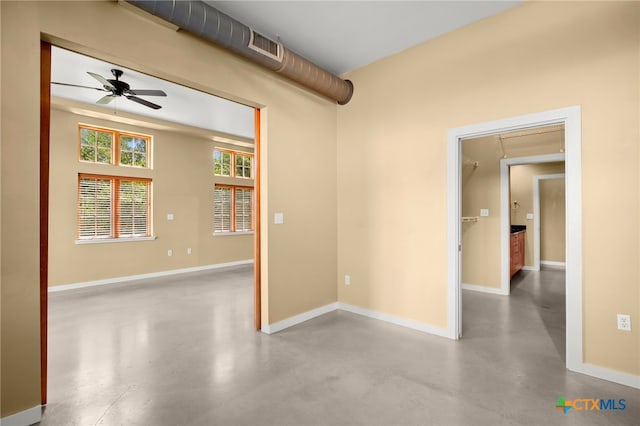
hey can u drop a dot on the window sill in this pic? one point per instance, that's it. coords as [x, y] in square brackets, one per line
[226, 234]
[114, 240]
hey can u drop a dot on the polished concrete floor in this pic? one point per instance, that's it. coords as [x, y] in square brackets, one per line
[181, 350]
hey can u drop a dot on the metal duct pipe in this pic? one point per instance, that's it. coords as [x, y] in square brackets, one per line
[210, 24]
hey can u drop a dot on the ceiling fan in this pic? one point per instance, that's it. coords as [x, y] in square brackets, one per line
[117, 88]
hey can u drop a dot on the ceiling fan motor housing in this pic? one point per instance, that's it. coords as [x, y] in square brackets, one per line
[120, 87]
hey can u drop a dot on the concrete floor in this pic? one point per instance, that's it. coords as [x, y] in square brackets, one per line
[181, 350]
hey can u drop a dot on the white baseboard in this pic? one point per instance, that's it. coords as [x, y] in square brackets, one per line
[553, 263]
[305, 316]
[483, 289]
[23, 418]
[530, 268]
[394, 320]
[607, 374]
[150, 275]
[297, 319]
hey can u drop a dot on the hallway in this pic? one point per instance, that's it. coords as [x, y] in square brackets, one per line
[181, 350]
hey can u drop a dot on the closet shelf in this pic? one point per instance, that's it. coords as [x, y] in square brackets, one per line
[470, 218]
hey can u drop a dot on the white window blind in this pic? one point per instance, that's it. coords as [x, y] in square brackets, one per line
[243, 209]
[95, 208]
[222, 209]
[133, 213]
[113, 207]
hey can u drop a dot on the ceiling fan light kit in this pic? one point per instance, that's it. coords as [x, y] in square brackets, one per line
[118, 88]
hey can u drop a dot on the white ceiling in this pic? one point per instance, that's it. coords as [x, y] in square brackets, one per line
[339, 36]
[181, 105]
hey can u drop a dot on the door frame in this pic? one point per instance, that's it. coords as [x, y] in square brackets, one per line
[505, 211]
[570, 117]
[45, 125]
[45, 129]
[536, 215]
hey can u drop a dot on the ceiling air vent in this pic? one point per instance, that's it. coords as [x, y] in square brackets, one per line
[265, 46]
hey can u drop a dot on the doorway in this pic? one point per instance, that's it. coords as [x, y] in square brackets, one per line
[548, 248]
[570, 119]
[45, 151]
[509, 205]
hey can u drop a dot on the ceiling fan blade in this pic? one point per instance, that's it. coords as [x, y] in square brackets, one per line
[105, 99]
[147, 92]
[144, 102]
[102, 80]
[77, 85]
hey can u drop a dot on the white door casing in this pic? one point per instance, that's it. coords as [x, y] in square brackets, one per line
[570, 117]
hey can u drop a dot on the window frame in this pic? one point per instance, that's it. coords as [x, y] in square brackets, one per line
[115, 148]
[242, 166]
[231, 162]
[233, 226]
[115, 209]
[232, 168]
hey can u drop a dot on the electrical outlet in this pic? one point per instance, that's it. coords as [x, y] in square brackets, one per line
[484, 212]
[347, 280]
[624, 322]
[169, 252]
[189, 250]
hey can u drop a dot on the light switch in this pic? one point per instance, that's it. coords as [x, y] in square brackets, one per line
[484, 212]
[529, 215]
[170, 216]
[278, 218]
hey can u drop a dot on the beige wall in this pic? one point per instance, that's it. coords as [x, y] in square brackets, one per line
[183, 183]
[481, 263]
[481, 190]
[539, 56]
[299, 142]
[390, 173]
[552, 223]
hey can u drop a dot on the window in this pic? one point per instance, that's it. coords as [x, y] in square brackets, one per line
[232, 208]
[222, 163]
[112, 207]
[133, 151]
[222, 208]
[98, 145]
[232, 164]
[243, 165]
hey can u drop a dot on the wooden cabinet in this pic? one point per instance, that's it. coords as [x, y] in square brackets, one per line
[517, 251]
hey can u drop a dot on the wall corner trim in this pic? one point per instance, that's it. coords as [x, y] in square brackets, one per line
[305, 316]
[23, 418]
[297, 319]
[403, 322]
[149, 275]
[483, 289]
